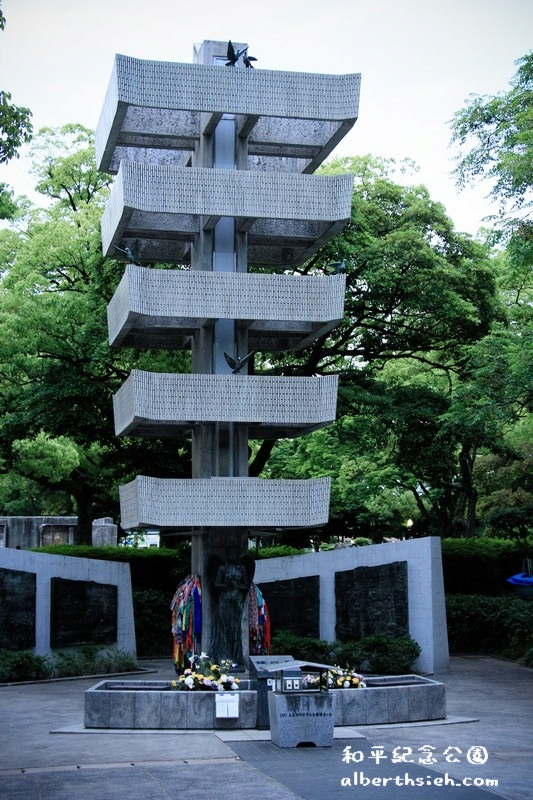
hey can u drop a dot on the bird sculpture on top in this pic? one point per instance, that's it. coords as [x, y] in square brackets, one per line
[234, 55]
[248, 59]
[237, 363]
[132, 252]
[337, 267]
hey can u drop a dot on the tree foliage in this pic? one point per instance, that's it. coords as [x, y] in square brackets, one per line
[420, 416]
[57, 372]
[419, 296]
[495, 134]
[415, 288]
[15, 130]
[15, 127]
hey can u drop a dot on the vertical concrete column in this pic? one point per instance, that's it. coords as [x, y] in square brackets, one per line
[43, 613]
[218, 449]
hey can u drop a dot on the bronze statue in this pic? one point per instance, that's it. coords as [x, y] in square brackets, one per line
[230, 582]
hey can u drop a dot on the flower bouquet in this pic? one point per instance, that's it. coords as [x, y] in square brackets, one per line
[204, 676]
[345, 679]
[335, 678]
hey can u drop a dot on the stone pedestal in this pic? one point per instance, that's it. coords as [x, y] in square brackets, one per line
[297, 719]
[104, 532]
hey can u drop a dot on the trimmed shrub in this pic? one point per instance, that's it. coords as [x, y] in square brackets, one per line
[378, 653]
[276, 551]
[23, 665]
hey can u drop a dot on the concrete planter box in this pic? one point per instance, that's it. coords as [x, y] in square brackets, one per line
[399, 698]
[155, 705]
[302, 718]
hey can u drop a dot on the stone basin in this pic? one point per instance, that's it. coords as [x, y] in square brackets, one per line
[155, 705]
[391, 699]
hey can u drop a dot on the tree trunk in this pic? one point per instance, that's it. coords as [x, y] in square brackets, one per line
[85, 523]
[466, 464]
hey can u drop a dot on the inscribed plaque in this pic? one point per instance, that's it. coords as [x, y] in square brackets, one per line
[83, 612]
[17, 609]
[294, 605]
[372, 600]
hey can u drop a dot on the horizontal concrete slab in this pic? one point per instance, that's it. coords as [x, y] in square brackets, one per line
[165, 208]
[163, 308]
[157, 107]
[163, 404]
[224, 502]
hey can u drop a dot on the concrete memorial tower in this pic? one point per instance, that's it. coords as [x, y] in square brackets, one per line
[214, 168]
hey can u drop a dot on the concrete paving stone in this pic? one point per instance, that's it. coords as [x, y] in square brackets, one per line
[221, 782]
[489, 704]
[297, 769]
[100, 784]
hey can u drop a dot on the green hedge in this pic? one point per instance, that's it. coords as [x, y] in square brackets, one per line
[25, 665]
[379, 654]
[151, 567]
[482, 565]
[502, 626]
[153, 631]
[276, 551]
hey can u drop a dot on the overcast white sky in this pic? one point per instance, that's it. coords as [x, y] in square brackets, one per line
[419, 59]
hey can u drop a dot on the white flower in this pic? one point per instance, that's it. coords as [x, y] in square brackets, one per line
[234, 686]
[362, 685]
[189, 682]
[220, 688]
[223, 678]
[346, 684]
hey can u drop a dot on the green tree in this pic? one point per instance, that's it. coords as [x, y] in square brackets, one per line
[57, 371]
[15, 127]
[15, 130]
[495, 135]
[418, 294]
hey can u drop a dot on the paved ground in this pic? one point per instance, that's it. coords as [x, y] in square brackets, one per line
[46, 754]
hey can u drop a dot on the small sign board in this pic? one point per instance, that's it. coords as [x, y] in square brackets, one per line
[226, 705]
[309, 676]
[260, 666]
